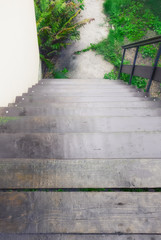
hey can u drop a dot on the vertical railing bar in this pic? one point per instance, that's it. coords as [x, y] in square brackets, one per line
[123, 56]
[154, 69]
[133, 67]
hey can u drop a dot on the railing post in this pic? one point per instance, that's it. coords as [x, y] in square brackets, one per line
[154, 69]
[133, 67]
[123, 56]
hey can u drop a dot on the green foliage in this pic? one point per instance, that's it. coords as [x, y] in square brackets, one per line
[92, 189]
[113, 75]
[132, 18]
[154, 5]
[136, 81]
[113, 6]
[148, 51]
[84, 50]
[4, 120]
[110, 48]
[56, 25]
[61, 74]
[130, 21]
[139, 82]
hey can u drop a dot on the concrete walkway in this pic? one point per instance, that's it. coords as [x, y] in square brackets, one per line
[88, 64]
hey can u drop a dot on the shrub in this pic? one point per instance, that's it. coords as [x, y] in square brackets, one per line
[114, 6]
[56, 25]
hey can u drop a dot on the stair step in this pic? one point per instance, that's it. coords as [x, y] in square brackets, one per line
[82, 86]
[49, 89]
[79, 237]
[85, 173]
[51, 99]
[85, 94]
[81, 145]
[82, 81]
[79, 124]
[137, 104]
[80, 212]
[48, 111]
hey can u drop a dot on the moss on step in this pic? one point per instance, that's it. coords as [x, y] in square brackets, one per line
[4, 120]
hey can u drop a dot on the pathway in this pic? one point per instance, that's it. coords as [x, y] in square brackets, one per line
[87, 65]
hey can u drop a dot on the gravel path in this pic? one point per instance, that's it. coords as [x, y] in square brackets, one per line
[87, 65]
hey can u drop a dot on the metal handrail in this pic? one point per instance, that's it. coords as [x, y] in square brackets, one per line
[143, 42]
[154, 73]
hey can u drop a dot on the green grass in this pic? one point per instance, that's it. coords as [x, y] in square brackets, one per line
[4, 120]
[155, 6]
[131, 21]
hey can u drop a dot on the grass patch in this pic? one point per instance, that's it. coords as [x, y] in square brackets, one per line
[139, 82]
[130, 21]
[4, 120]
[84, 50]
[155, 7]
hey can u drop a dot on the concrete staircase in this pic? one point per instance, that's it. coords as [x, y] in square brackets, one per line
[73, 154]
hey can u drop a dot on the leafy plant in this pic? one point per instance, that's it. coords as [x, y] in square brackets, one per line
[113, 75]
[148, 51]
[56, 26]
[154, 5]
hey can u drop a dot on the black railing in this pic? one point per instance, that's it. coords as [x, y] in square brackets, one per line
[152, 73]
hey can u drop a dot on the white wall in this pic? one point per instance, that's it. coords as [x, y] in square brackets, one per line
[19, 53]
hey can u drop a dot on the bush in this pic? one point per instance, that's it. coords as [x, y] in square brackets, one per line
[113, 75]
[56, 25]
[114, 6]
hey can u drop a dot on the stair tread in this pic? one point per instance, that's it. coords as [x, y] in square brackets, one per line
[79, 124]
[85, 94]
[82, 80]
[82, 145]
[80, 90]
[82, 86]
[136, 104]
[76, 212]
[79, 237]
[75, 99]
[79, 173]
[104, 111]
[73, 134]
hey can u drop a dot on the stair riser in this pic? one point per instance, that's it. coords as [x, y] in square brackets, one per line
[85, 145]
[78, 124]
